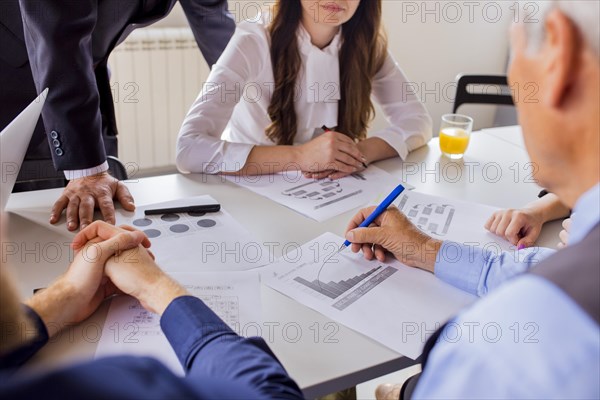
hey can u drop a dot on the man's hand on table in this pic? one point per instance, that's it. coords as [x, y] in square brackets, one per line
[393, 232]
[76, 294]
[134, 271]
[83, 195]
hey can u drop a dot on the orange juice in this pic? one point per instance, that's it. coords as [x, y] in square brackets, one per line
[454, 142]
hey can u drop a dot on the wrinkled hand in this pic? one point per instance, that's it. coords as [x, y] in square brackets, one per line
[83, 195]
[332, 155]
[394, 233]
[76, 294]
[519, 227]
[564, 234]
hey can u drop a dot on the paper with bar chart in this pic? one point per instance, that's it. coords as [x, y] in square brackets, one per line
[373, 298]
[320, 199]
[449, 219]
[130, 329]
[192, 242]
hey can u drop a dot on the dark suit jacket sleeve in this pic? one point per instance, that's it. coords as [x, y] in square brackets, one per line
[212, 25]
[219, 365]
[12, 47]
[39, 337]
[209, 350]
[58, 35]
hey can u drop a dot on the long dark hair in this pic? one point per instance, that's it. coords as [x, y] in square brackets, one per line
[362, 55]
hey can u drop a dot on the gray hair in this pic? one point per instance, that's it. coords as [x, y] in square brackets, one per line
[585, 15]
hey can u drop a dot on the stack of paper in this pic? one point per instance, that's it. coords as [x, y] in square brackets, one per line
[320, 199]
[191, 242]
[130, 329]
[396, 305]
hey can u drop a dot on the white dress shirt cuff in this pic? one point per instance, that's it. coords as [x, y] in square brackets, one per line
[234, 157]
[82, 173]
[395, 140]
[223, 156]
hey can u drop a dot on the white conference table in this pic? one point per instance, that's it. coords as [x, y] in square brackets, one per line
[509, 134]
[328, 356]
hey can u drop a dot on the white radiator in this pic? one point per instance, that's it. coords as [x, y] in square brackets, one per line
[156, 75]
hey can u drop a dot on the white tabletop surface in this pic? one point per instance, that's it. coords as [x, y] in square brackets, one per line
[328, 356]
[510, 134]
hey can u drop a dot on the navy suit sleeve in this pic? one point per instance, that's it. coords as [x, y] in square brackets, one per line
[58, 35]
[123, 377]
[219, 365]
[19, 356]
[209, 349]
[212, 25]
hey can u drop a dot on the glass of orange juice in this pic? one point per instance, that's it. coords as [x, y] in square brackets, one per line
[455, 133]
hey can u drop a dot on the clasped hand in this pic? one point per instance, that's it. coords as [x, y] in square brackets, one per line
[331, 155]
[108, 260]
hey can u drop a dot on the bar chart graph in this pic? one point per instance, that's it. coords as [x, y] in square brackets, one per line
[371, 297]
[335, 290]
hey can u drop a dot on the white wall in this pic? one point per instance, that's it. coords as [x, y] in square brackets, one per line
[433, 48]
[433, 41]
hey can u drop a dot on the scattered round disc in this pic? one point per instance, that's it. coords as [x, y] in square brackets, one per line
[170, 217]
[207, 223]
[179, 228]
[152, 233]
[142, 222]
[197, 214]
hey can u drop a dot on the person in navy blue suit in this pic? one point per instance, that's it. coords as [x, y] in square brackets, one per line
[218, 363]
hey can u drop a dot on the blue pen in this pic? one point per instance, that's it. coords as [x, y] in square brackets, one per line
[378, 211]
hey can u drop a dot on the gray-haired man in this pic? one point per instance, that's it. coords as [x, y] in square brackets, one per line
[537, 335]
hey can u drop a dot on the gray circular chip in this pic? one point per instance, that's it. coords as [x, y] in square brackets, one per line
[142, 222]
[179, 228]
[207, 223]
[170, 217]
[152, 233]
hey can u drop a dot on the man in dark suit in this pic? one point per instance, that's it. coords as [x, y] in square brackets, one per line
[17, 90]
[68, 44]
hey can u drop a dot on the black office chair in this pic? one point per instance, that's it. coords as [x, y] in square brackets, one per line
[464, 96]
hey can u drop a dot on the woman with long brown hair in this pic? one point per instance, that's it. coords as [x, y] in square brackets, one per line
[295, 94]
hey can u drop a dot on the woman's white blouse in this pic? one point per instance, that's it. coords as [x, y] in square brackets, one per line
[229, 117]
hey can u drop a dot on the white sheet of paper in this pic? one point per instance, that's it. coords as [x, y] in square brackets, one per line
[454, 220]
[321, 199]
[396, 305]
[186, 243]
[131, 330]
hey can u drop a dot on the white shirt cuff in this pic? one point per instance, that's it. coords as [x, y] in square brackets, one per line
[394, 139]
[82, 173]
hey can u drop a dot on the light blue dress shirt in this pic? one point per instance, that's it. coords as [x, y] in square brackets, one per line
[527, 339]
